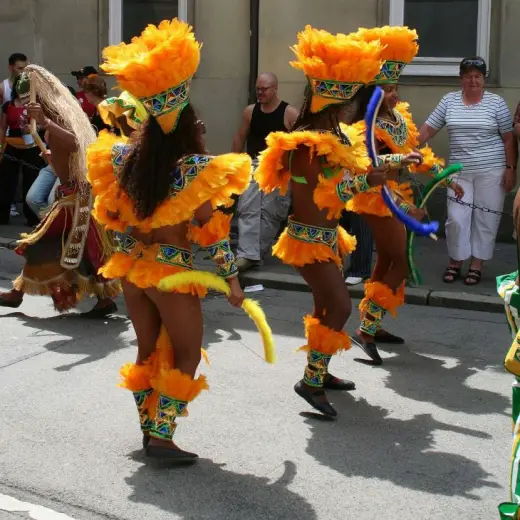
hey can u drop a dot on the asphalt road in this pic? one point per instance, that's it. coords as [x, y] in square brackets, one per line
[427, 435]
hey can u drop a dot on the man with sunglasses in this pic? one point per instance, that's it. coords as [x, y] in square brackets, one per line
[259, 214]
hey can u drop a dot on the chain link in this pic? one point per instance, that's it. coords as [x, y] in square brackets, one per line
[21, 161]
[420, 186]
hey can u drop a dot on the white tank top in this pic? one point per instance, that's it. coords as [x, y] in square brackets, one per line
[7, 91]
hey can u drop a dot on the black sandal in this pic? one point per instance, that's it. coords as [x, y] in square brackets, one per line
[331, 382]
[322, 406]
[12, 304]
[100, 312]
[451, 274]
[473, 277]
[383, 336]
[173, 455]
[370, 349]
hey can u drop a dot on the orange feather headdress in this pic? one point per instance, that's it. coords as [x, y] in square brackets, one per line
[399, 48]
[336, 66]
[157, 67]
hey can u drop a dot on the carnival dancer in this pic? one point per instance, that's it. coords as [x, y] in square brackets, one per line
[63, 254]
[509, 291]
[397, 140]
[154, 187]
[315, 159]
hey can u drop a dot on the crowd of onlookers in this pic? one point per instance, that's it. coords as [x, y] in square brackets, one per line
[481, 132]
[19, 153]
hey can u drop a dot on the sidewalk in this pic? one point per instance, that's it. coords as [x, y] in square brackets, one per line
[430, 257]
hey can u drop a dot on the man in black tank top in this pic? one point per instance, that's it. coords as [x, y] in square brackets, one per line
[260, 215]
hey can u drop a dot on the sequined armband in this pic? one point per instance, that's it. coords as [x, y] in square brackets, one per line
[224, 257]
[346, 189]
[392, 160]
[404, 207]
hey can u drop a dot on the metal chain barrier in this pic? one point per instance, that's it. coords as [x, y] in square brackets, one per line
[21, 161]
[419, 185]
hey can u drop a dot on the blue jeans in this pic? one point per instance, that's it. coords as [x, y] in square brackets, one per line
[41, 194]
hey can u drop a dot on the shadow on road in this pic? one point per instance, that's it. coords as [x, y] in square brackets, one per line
[426, 379]
[365, 442]
[208, 491]
[95, 339]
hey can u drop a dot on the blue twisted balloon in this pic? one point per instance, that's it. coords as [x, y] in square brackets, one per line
[419, 228]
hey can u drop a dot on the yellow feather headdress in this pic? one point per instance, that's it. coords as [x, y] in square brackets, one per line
[399, 48]
[336, 66]
[157, 67]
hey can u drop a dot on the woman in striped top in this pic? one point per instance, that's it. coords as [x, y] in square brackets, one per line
[481, 138]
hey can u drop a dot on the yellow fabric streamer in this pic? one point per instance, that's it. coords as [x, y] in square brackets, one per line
[212, 281]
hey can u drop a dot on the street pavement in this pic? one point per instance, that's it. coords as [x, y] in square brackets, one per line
[426, 435]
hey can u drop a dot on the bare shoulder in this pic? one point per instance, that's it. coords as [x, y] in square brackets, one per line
[290, 116]
[248, 111]
[291, 110]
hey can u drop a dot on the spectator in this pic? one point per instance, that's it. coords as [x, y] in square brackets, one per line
[20, 151]
[81, 77]
[17, 62]
[260, 215]
[42, 193]
[480, 130]
[95, 90]
[360, 261]
[516, 122]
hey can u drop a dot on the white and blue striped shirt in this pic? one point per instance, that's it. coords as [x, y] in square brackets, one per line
[475, 131]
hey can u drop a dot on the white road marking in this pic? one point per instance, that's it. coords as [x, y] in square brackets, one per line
[13, 505]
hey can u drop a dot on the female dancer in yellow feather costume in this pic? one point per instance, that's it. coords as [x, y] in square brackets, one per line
[151, 189]
[397, 139]
[317, 160]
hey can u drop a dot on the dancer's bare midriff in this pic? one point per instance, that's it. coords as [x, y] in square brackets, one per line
[171, 235]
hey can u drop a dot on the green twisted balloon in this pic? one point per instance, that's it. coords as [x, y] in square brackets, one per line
[425, 195]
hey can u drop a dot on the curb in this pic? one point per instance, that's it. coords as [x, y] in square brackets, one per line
[413, 295]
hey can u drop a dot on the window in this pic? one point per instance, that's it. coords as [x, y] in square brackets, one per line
[127, 18]
[449, 30]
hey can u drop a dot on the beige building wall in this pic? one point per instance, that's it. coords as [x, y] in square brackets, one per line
[61, 35]
[220, 91]
[280, 21]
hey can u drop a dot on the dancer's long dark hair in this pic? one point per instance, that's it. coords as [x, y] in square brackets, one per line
[147, 173]
[358, 105]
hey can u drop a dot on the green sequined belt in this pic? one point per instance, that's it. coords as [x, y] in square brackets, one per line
[312, 234]
[162, 253]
